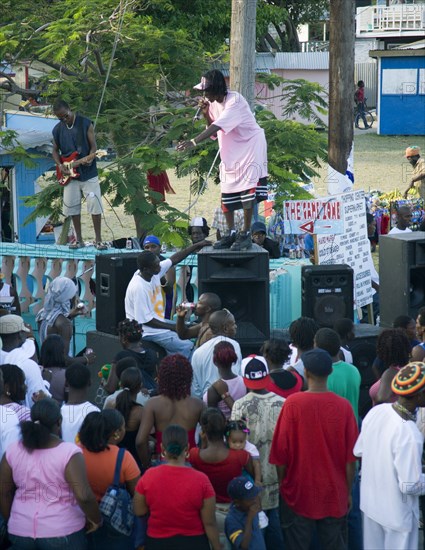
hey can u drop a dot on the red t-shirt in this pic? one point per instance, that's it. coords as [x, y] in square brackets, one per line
[221, 473]
[175, 496]
[314, 437]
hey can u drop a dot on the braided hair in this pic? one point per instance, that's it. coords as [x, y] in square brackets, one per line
[130, 330]
[236, 426]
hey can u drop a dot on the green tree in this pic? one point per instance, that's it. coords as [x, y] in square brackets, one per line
[127, 66]
[284, 17]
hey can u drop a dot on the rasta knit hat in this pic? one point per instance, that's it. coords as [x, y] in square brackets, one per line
[410, 379]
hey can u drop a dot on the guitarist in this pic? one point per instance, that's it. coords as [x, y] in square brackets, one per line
[75, 133]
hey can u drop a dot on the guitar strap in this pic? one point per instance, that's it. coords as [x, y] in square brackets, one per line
[80, 134]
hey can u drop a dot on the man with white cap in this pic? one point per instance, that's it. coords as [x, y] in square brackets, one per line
[18, 350]
[243, 153]
[413, 156]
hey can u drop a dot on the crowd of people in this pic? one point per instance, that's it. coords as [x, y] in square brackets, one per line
[208, 449]
[219, 450]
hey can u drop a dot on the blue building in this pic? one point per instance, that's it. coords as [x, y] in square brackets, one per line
[401, 89]
[34, 134]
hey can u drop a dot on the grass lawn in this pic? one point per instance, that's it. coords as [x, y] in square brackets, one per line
[379, 163]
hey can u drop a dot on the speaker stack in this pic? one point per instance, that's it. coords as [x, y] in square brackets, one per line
[401, 275]
[327, 293]
[113, 273]
[241, 279]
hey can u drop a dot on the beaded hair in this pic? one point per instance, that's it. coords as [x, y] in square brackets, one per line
[236, 426]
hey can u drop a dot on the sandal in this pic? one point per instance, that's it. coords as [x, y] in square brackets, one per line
[75, 245]
[101, 246]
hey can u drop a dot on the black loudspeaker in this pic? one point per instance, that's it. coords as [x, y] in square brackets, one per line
[113, 273]
[241, 279]
[105, 347]
[401, 275]
[327, 293]
[363, 349]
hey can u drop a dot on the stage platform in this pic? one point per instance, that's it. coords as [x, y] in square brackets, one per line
[31, 266]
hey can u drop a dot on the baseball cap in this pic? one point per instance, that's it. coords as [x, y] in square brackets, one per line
[258, 227]
[151, 239]
[241, 488]
[11, 324]
[198, 222]
[317, 361]
[255, 372]
[203, 85]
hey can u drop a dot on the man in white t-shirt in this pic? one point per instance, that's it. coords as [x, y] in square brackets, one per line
[18, 350]
[144, 302]
[205, 373]
[404, 219]
[78, 406]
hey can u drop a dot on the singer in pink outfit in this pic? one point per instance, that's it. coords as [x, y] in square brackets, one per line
[243, 152]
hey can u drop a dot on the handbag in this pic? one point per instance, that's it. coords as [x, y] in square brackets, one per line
[116, 505]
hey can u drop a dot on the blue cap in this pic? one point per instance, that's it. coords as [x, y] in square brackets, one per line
[317, 361]
[241, 488]
[151, 239]
[258, 227]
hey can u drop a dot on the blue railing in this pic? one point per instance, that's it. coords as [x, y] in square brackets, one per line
[32, 266]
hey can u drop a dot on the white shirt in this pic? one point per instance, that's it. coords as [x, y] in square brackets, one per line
[110, 401]
[72, 418]
[33, 379]
[10, 430]
[205, 372]
[395, 230]
[392, 478]
[144, 300]
[348, 356]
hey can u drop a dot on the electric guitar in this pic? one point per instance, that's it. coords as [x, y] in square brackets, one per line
[71, 162]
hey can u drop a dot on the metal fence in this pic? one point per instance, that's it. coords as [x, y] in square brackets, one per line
[368, 72]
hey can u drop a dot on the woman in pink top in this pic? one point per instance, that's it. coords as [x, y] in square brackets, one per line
[392, 353]
[49, 500]
[229, 387]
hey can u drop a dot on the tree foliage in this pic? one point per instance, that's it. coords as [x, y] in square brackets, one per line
[127, 64]
[284, 17]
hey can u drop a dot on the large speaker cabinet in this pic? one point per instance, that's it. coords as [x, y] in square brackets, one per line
[113, 273]
[241, 279]
[401, 275]
[327, 293]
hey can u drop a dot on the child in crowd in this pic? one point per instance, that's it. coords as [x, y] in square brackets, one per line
[237, 438]
[242, 524]
[120, 366]
[77, 378]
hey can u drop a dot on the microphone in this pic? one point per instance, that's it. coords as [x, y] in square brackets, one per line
[197, 114]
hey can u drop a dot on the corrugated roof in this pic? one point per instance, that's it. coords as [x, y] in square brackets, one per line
[266, 62]
[226, 72]
[302, 60]
[31, 139]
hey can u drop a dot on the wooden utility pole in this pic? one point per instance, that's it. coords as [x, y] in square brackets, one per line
[242, 48]
[341, 82]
